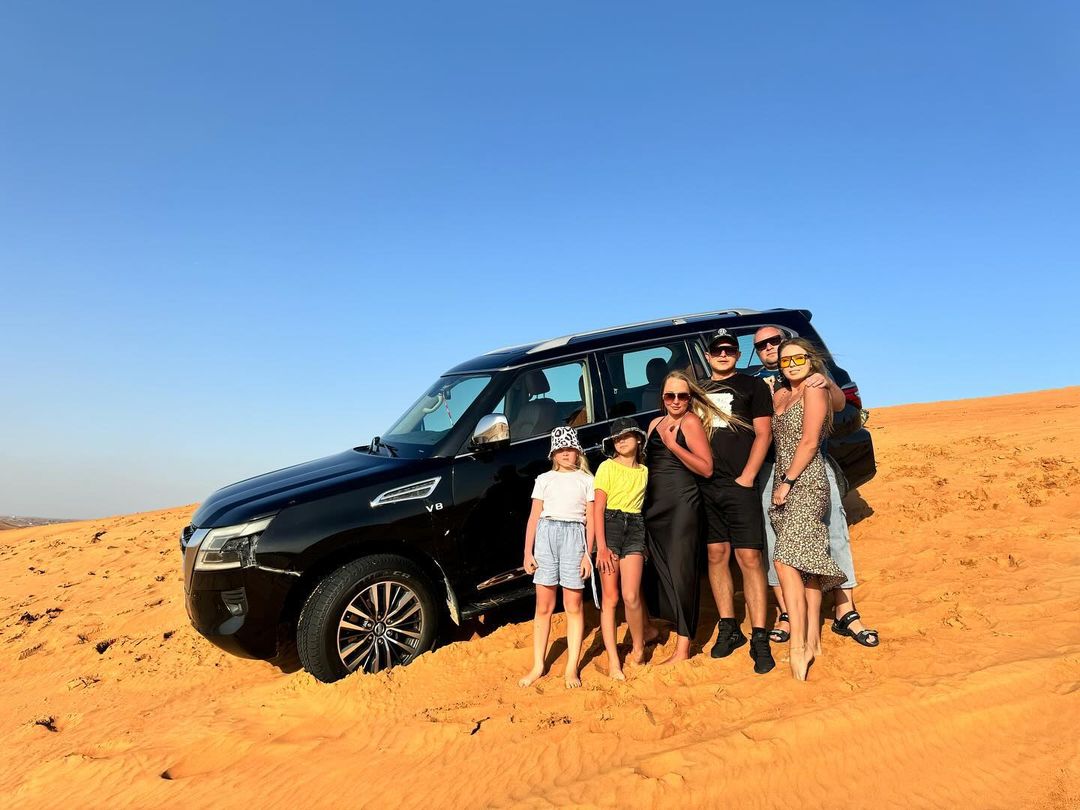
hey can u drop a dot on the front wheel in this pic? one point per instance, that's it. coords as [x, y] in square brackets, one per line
[368, 615]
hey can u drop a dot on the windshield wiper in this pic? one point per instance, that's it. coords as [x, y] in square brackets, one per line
[377, 442]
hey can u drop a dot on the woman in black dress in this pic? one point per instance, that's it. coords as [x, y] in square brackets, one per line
[678, 452]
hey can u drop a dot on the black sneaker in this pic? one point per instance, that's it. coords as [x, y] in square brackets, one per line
[761, 653]
[728, 639]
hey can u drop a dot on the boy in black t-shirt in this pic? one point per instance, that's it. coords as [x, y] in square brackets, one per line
[731, 500]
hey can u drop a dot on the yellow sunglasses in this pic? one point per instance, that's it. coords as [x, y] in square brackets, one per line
[793, 360]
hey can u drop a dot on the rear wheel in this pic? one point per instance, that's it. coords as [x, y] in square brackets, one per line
[369, 615]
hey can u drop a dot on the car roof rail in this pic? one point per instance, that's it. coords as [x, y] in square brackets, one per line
[505, 349]
[675, 320]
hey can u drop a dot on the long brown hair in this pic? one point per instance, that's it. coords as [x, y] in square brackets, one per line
[701, 405]
[816, 359]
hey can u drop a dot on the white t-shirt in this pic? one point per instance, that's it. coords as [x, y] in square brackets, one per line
[565, 494]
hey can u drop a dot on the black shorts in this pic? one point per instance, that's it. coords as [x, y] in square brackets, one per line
[624, 532]
[733, 515]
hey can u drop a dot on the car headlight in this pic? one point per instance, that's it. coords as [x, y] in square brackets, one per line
[230, 546]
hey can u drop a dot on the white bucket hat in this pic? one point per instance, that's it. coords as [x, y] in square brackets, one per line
[564, 438]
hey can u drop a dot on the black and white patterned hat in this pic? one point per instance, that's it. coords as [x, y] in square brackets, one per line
[620, 427]
[564, 438]
[625, 424]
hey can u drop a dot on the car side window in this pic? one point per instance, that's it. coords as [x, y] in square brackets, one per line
[541, 399]
[635, 376]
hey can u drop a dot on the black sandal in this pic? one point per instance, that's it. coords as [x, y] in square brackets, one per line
[842, 627]
[780, 636]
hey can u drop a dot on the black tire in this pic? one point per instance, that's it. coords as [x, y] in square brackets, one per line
[347, 624]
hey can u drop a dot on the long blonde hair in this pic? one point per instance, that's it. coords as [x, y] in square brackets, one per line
[701, 405]
[582, 462]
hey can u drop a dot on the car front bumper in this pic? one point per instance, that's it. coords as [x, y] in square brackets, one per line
[240, 609]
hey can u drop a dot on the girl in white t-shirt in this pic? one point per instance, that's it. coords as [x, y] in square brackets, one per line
[558, 549]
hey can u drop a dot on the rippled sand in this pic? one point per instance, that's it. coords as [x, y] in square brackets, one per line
[967, 545]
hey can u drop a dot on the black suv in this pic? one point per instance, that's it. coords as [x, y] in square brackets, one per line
[361, 555]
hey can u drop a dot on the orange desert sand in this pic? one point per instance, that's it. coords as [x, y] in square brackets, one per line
[966, 545]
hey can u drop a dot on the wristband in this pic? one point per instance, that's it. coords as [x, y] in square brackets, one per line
[789, 481]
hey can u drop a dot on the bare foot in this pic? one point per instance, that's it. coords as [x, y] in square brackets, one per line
[800, 663]
[534, 675]
[572, 680]
[675, 658]
[814, 644]
[615, 670]
[636, 656]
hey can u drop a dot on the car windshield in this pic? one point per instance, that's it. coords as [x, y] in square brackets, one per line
[439, 409]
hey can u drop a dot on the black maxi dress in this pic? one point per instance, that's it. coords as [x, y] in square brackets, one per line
[672, 501]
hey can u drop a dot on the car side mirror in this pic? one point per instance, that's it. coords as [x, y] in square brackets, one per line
[491, 432]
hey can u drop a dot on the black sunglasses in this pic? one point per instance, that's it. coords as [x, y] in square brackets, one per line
[775, 340]
[717, 351]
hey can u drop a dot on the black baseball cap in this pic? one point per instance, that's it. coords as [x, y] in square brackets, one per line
[723, 338]
[626, 425]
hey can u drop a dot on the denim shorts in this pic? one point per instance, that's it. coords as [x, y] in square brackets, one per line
[558, 549]
[839, 538]
[624, 532]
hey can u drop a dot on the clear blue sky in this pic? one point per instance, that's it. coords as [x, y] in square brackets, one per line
[238, 236]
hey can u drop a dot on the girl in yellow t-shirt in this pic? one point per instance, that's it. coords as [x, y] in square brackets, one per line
[620, 539]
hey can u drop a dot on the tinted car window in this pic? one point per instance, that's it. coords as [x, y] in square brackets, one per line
[635, 376]
[541, 399]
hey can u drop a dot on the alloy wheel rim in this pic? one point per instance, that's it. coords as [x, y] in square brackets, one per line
[381, 627]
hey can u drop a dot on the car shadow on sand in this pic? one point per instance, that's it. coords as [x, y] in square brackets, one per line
[856, 508]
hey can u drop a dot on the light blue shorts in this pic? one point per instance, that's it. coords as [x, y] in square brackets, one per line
[559, 547]
[839, 538]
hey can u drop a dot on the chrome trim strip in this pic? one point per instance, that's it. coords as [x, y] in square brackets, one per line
[195, 538]
[270, 570]
[451, 597]
[510, 348]
[499, 579]
[423, 488]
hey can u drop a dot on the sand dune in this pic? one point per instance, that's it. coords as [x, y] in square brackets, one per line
[968, 551]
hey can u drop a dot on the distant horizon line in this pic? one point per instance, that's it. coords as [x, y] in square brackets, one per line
[5, 516]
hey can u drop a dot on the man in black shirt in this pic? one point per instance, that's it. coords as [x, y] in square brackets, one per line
[731, 499]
